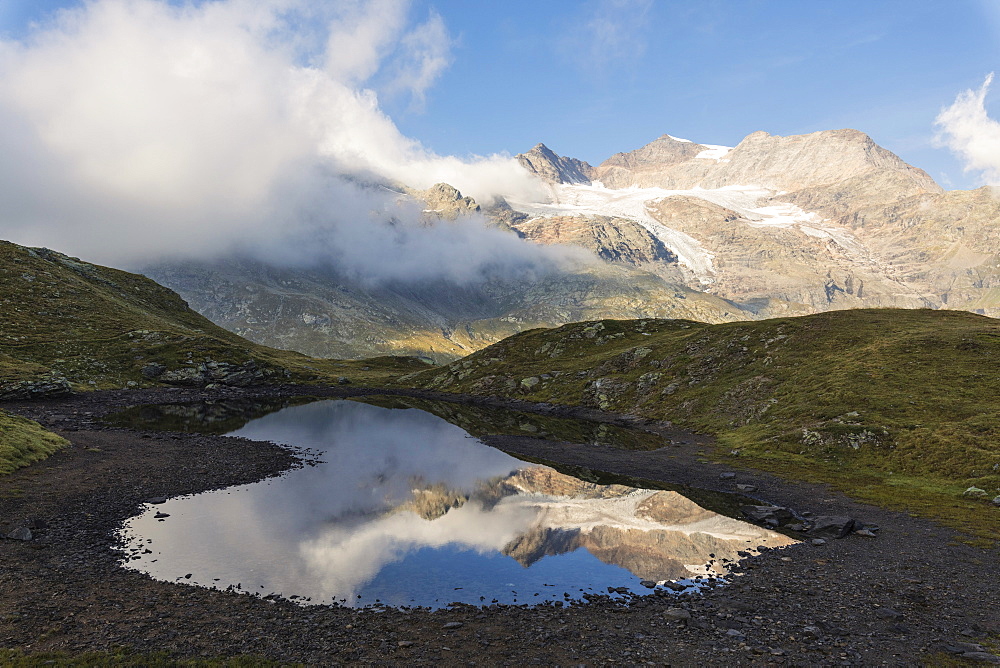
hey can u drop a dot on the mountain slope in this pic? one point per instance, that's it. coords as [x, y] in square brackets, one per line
[793, 225]
[323, 313]
[896, 406]
[69, 325]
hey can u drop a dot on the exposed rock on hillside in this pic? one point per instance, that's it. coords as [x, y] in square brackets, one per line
[322, 313]
[445, 201]
[68, 323]
[667, 162]
[611, 239]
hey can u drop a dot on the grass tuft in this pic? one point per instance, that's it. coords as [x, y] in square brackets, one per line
[23, 442]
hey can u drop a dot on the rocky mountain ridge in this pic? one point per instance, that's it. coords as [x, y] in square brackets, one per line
[784, 225]
[771, 227]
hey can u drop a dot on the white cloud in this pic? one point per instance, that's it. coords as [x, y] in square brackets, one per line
[967, 129]
[131, 129]
[609, 35]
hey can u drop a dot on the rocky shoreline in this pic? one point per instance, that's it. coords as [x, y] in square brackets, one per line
[912, 594]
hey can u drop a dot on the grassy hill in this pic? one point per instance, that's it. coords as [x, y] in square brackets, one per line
[68, 325]
[898, 407]
[68, 321]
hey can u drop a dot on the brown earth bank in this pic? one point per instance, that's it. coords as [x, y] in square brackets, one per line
[914, 594]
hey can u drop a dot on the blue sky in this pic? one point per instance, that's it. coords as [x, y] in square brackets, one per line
[592, 78]
[709, 71]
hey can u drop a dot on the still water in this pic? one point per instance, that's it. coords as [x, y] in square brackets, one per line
[407, 509]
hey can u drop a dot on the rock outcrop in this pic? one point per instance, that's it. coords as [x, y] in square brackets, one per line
[611, 239]
[553, 168]
[444, 201]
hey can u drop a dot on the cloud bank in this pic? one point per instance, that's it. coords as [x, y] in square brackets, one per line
[137, 129]
[967, 129]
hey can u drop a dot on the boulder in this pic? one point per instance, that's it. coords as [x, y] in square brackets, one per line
[676, 615]
[771, 515]
[831, 526]
[153, 370]
[22, 533]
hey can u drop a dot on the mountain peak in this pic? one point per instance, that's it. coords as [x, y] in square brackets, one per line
[550, 166]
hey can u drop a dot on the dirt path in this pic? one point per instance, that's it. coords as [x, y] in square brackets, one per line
[897, 599]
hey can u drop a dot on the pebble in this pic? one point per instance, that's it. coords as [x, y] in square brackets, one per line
[727, 476]
[453, 625]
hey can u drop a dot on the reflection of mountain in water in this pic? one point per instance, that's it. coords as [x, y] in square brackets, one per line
[656, 535]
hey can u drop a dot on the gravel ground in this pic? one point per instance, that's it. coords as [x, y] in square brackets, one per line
[913, 594]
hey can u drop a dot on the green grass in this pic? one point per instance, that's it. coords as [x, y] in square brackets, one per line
[896, 407]
[23, 442]
[98, 327]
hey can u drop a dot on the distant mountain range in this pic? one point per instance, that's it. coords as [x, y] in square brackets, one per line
[773, 226]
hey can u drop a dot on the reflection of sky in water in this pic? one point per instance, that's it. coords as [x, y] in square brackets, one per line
[342, 529]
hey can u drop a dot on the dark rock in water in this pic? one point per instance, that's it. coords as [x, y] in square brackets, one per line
[774, 515]
[23, 533]
[831, 526]
[155, 500]
[153, 370]
[160, 516]
[649, 584]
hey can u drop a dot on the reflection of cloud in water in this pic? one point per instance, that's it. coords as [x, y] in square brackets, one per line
[396, 482]
[372, 456]
[343, 560]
